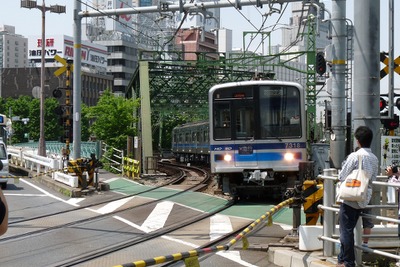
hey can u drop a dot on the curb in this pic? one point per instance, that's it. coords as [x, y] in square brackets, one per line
[57, 186]
[294, 258]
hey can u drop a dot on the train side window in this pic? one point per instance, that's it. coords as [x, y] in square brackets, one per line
[194, 138]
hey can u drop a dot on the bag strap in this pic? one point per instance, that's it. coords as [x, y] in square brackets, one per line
[359, 162]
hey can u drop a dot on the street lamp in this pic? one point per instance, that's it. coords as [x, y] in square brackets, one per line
[53, 9]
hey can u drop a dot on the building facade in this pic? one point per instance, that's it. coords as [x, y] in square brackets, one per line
[13, 48]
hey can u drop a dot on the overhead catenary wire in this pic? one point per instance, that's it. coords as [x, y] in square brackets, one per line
[178, 28]
[91, 6]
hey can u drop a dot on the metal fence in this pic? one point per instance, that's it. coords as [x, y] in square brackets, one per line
[330, 235]
[112, 157]
[55, 148]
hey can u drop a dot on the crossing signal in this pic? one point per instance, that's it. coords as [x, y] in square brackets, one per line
[391, 124]
[382, 104]
[320, 63]
[57, 93]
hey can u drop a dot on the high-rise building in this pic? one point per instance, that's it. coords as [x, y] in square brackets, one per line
[118, 35]
[13, 48]
[295, 35]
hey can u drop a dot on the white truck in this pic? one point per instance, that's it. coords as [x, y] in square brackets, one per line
[4, 157]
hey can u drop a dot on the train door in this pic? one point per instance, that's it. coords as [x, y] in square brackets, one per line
[244, 132]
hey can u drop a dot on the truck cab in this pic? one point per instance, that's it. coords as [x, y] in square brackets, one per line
[4, 157]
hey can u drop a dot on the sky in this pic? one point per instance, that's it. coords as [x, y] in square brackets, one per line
[29, 23]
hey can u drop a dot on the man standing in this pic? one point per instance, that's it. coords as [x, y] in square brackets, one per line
[350, 210]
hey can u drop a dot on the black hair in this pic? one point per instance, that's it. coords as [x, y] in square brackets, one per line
[364, 136]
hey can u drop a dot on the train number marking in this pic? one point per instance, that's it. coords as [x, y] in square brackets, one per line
[292, 145]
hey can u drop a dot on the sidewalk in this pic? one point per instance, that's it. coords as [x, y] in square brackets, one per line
[63, 188]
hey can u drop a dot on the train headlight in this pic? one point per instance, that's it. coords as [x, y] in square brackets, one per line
[227, 157]
[289, 156]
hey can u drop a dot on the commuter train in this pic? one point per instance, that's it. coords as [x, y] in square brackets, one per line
[255, 137]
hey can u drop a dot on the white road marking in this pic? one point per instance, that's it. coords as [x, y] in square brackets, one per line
[158, 216]
[134, 225]
[179, 241]
[25, 195]
[110, 180]
[47, 193]
[219, 225]
[155, 220]
[75, 200]
[112, 206]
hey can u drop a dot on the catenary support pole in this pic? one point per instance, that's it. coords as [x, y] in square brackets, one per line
[338, 103]
[77, 90]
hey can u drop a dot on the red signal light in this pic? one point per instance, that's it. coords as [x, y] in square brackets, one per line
[382, 104]
[320, 63]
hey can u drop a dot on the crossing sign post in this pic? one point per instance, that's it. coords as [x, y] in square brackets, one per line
[64, 63]
[385, 60]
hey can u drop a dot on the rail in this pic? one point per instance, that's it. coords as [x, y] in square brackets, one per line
[192, 255]
[329, 236]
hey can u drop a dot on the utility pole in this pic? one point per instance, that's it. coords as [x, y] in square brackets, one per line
[77, 82]
[338, 103]
[43, 8]
[366, 76]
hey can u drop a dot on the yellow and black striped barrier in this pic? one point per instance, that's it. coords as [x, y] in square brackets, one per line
[82, 165]
[79, 167]
[313, 192]
[267, 215]
[191, 257]
[131, 167]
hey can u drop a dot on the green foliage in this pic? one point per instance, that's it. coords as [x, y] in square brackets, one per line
[112, 119]
[169, 120]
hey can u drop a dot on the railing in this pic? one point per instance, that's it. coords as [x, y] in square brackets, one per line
[55, 148]
[330, 208]
[115, 157]
[27, 158]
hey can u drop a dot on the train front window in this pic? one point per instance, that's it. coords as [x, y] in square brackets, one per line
[280, 111]
[245, 121]
[222, 121]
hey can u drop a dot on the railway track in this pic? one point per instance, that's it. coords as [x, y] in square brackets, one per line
[56, 223]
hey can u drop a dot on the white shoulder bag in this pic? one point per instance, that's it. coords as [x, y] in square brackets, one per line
[355, 186]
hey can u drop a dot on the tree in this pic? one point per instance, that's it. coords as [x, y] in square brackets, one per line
[112, 119]
[21, 108]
